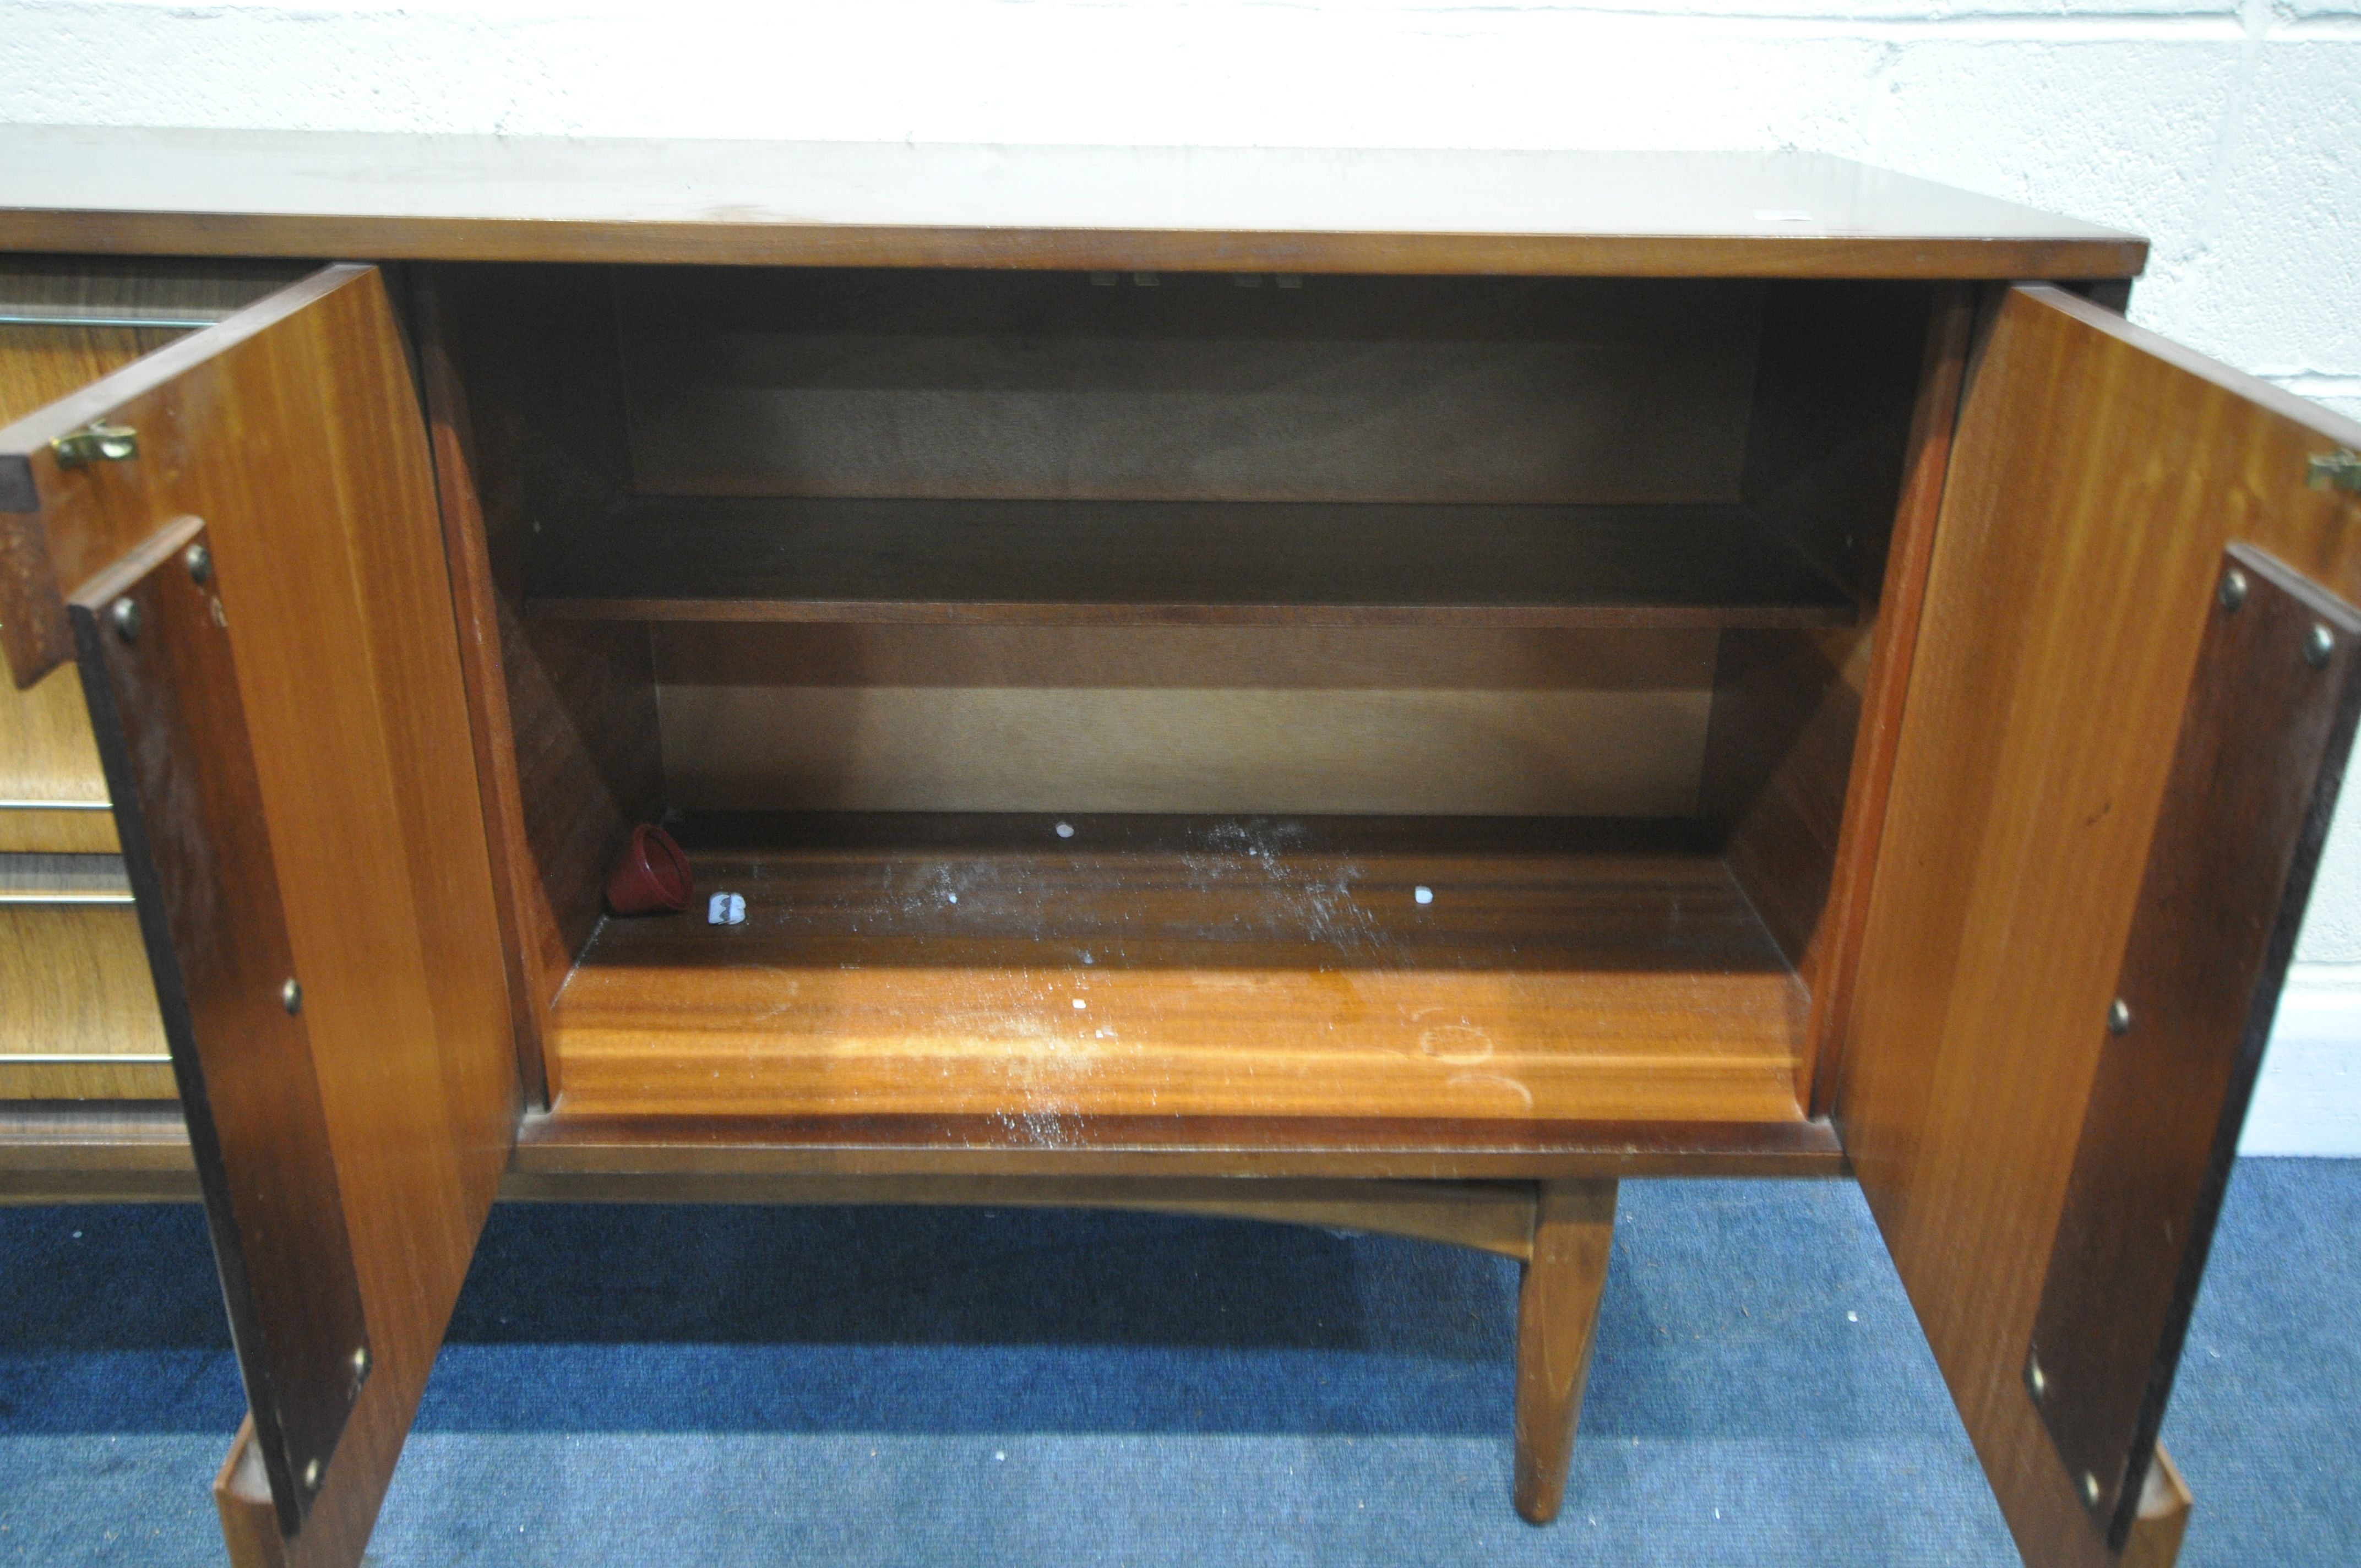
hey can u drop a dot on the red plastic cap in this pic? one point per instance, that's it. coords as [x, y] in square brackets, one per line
[652, 876]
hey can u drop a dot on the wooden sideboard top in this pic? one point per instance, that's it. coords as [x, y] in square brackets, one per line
[205, 193]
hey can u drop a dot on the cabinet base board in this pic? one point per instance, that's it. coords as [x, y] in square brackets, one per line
[53, 1152]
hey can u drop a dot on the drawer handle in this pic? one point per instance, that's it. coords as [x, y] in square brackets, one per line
[59, 897]
[2334, 471]
[82, 1059]
[97, 443]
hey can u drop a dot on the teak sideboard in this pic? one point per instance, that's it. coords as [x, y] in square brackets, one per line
[1380, 689]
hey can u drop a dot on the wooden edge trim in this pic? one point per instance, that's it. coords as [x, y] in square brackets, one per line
[451, 452]
[117, 1138]
[1933, 420]
[1126, 614]
[1117, 1146]
[126, 572]
[2162, 1521]
[73, 1150]
[401, 237]
[242, 1493]
[18, 1188]
[1495, 1217]
[33, 632]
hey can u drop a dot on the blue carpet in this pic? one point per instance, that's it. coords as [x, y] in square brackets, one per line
[630, 1385]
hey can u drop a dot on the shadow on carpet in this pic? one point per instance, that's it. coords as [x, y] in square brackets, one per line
[719, 1385]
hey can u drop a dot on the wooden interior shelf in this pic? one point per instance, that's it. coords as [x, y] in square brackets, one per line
[985, 970]
[1183, 562]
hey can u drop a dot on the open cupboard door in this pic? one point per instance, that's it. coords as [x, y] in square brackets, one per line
[237, 539]
[2137, 671]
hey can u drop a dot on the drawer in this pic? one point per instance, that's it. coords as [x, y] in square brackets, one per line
[77, 1018]
[64, 323]
[52, 793]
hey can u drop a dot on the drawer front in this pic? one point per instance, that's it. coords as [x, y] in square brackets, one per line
[52, 792]
[78, 1016]
[64, 323]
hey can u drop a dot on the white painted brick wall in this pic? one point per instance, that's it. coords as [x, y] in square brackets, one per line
[2229, 131]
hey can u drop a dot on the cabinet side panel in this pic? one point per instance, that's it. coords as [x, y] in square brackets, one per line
[525, 401]
[1853, 404]
[1894, 644]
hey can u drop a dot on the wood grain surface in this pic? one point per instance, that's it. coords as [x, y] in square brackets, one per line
[525, 411]
[1834, 959]
[293, 429]
[157, 659]
[1184, 658]
[1458, 720]
[1850, 390]
[1575, 751]
[1177, 563]
[74, 983]
[72, 1151]
[52, 790]
[1557, 1320]
[2255, 773]
[1071, 385]
[489, 198]
[1189, 970]
[64, 323]
[46, 751]
[95, 1151]
[242, 1498]
[2099, 471]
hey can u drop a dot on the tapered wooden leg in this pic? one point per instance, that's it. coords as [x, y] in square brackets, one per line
[1557, 1313]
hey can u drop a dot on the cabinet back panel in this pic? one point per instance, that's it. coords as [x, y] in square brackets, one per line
[1184, 719]
[1053, 386]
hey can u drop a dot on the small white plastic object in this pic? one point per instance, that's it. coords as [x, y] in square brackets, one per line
[1424, 895]
[726, 909]
[1080, 1004]
[1065, 829]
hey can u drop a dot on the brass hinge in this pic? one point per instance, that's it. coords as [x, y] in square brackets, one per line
[96, 443]
[2338, 470]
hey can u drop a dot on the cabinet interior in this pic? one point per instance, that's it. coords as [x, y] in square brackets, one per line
[1248, 702]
